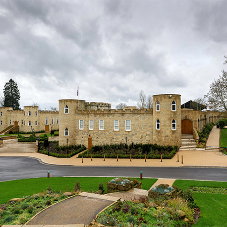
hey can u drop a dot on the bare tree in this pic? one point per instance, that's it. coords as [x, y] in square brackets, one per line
[1, 101]
[149, 102]
[199, 104]
[217, 95]
[53, 108]
[142, 100]
[121, 106]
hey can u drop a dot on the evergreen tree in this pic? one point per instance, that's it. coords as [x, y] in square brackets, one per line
[11, 95]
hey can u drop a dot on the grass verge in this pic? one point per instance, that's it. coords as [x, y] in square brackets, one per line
[25, 187]
[213, 206]
[223, 138]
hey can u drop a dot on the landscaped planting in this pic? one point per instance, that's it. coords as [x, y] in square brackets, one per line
[136, 151]
[203, 135]
[52, 148]
[18, 212]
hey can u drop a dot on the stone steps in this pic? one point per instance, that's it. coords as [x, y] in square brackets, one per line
[187, 142]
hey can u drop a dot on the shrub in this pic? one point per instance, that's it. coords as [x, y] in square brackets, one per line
[8, 219]
[101, 188]
[49, 190]
[24, 206]
[77, 186]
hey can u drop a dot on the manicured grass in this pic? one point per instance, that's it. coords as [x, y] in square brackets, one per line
[24, 187]
[213, 206]
[223, 138]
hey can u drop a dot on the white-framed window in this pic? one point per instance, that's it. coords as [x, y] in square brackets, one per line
[1, 113]
[1, 123]
[29, 123]
[10, 122]
[90, 124]
[173, 124]
[116, 125]
[127, 125]
[173, 106]
[101, 124]
[35, 123]
[81, 124]
[22, 122]
[57, 121]
[157, 106]
[35, 113]
[66, 132]
[66, 110]
[46, 121]
[158, 124]
[52, 121]
[29, 113]
[24, 113]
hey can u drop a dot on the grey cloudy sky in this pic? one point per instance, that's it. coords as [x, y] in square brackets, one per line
[111, 49]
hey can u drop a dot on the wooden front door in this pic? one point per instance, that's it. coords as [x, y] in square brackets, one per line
[15, 123]
[47, 128]
[89, 143]
[186, 126]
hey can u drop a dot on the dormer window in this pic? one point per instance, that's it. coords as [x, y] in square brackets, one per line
[158, 124]
[173, 106]
[157, 106]
[173, 124]
[66, 109]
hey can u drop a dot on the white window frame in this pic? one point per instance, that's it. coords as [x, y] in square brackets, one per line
[81, 124]
[127, 126]
[22, 122]
[157, 106]
[57, 121]
[173, 125]
[116, 125]
[29, 123]
[101, 125]
[91, 124]
[66, 130]
[47, 121]
[158, 124]
[35, 113]
[173, 105]
[29, 113]
[52, 121]
[66, 109]
[36, 123]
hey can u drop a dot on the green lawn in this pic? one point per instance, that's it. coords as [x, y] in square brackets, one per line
[213, 206]
[24, 187]
[223, 137]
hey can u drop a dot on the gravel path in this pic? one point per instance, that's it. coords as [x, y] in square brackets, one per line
[77, 210]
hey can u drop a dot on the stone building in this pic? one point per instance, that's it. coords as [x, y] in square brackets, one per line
[163, 124]
[28, 119]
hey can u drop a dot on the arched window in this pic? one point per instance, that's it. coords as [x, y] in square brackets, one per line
[29, 113]
[173, 105]
[1, 122]
[35, 113]
[157, 106]
[1, 113]
[29, 123]
[158, 124]
[66, 109]
[66, 132]
[10, 122]
[173, 124]
[36, 123]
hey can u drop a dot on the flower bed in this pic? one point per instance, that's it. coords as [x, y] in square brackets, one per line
[137, 151]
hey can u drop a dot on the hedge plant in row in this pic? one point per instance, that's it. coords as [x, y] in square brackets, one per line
[137, 151]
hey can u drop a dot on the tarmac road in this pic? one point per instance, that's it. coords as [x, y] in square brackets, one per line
[12, 168]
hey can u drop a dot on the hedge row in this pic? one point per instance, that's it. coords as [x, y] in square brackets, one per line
[127, 156]
[63, 155]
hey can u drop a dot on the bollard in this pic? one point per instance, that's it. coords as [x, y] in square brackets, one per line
[48, 174]
[130, 157]
[161, 157]
[104, 157]
[177, 157]
[117, 157]
[182, 160]
[82, 160]
[145, 158]
[141, 175]
[91, 157]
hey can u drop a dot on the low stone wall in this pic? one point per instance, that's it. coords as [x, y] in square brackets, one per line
[114, 187]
